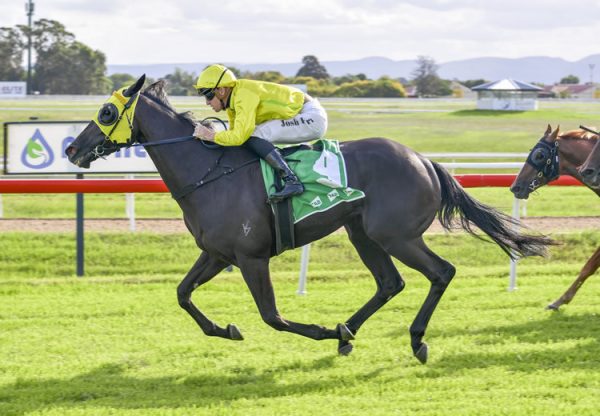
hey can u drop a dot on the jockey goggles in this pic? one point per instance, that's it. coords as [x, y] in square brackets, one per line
[209, 93]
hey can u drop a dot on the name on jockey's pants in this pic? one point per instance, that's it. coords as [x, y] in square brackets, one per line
[295, 122]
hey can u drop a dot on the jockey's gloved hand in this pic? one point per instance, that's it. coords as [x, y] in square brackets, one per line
[201, 132]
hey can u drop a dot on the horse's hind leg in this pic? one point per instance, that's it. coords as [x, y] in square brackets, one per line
[438, 271]
[256, 275]
[205, 268]
[388, 280]
[588, 269]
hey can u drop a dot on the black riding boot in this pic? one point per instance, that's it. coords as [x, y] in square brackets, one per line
[291, 185]
[265, 150]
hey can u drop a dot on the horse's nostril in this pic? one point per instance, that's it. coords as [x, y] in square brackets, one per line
[70, 151]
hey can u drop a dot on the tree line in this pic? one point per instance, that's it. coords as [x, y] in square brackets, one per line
[64, 65]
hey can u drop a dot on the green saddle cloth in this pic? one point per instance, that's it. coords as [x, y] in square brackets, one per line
[322, 171]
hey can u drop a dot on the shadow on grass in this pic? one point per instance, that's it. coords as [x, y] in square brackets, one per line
[484, 113]
[539, 346]
[109, 386]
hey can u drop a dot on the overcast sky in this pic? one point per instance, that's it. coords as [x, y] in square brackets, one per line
[281, 31]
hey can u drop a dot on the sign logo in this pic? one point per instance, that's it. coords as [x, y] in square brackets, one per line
[37, 153]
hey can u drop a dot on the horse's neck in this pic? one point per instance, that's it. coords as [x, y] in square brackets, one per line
[572, 153]
[177, 163]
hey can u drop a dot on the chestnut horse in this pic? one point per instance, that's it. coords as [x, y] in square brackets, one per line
[225, 210]
[558, 154]
[590, 170]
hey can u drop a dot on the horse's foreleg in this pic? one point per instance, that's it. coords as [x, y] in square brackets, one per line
[205, 268]
[588, 269]
[256, 275]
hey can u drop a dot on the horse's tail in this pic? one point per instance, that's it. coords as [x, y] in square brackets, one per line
[501, 228]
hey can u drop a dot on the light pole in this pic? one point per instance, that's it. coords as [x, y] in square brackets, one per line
[591, 72]
[29, 6]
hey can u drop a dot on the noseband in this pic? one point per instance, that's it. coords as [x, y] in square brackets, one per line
[546, 167]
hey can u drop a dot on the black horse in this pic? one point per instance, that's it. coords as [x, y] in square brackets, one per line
[225, 209]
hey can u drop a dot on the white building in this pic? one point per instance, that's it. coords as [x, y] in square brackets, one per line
[507, 94]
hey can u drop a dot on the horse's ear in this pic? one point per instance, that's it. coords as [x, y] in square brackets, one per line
[555, 133]
[135, 88]
[548, 130]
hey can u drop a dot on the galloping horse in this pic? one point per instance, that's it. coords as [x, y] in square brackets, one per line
[590, 170]
[558, 154]
[227, 213]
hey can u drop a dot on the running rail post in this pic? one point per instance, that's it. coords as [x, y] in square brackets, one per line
[303, 270]
[79, 226]
[130, 206]
[512, 285]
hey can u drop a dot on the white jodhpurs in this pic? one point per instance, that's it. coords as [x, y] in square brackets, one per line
[310, 124]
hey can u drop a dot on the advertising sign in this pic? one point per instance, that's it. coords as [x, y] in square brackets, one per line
[39, 148]
[9, 89]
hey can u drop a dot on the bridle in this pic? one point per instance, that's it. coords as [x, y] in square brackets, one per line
[546, 166]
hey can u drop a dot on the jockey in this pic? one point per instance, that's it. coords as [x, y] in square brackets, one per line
[260, 114]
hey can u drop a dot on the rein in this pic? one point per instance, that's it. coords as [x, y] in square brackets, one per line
[113, 146]
[109, 146]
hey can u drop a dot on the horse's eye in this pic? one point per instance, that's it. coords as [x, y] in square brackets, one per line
[539, 155]
[108, 114]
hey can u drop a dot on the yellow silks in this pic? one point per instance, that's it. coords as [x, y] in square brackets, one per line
[115, 117]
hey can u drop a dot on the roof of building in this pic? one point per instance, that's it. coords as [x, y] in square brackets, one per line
[506, 84]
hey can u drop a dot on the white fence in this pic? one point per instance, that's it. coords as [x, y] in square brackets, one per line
[304, 262]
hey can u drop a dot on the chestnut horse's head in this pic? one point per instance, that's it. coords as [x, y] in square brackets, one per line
[541, 166]
[110, 130]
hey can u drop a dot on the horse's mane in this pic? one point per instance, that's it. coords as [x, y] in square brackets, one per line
[578, 135]
[156, 92]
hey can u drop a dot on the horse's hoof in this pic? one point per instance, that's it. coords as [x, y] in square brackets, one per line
[422, 353]
[553, 307]
[345, 348]
[345, 333]
[234, 333]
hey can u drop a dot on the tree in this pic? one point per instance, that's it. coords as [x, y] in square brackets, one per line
[11, 55]
[180, 82]
[383, 87]
[63, 65]
[349, 78]
[312, 68]
[71, 68]
[569, 79]
[426, 79]
[270, 76]
[120, 80]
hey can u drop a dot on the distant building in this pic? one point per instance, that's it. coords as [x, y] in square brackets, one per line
[587, 91]
[507, 94]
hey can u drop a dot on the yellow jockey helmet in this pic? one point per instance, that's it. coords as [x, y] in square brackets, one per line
[215, 76]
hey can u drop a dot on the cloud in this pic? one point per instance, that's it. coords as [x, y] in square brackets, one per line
[155, 31]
